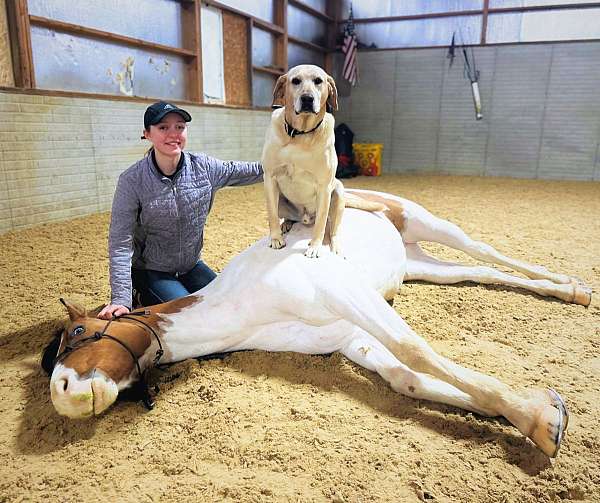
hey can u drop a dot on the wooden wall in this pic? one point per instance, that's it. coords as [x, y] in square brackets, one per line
[7, 78]
[236, 60]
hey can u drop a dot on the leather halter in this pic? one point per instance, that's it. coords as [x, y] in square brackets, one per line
[143, 385]
[295, 132]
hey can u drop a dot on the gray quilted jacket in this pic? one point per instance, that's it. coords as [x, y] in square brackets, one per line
[158, 223]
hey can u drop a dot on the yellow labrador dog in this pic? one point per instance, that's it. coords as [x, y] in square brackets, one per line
[299, 160]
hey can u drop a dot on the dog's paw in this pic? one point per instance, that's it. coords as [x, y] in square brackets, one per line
[313, 251]
[336, 248]
[308, 219]
[286, 226]
[277, 243]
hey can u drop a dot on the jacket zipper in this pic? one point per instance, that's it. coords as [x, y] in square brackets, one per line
[174, 189]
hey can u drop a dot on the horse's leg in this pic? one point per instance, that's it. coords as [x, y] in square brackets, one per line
[421, 225]
[368, 352]
[420, 266]
[542, 418]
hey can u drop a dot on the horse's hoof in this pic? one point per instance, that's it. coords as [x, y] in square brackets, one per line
[559, 403]
[551, 423]
[550, 431]
[582, 294]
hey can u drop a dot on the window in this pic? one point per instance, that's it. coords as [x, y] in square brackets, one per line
[213, 79]
[204, 51]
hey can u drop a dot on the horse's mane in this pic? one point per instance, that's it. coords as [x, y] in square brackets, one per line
[50, 352]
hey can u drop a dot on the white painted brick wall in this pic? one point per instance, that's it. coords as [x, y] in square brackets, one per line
[60, 157]
[5, 216]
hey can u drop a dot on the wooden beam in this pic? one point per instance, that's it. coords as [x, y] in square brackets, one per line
[308, 45]
[414, 17]
[250, 23]
[190, 24]
[333, 11]
[537, 8]
[272, 71]
[199, 53]
[222, 6]
[13, 38]
[309, 10]
[259, 23]
[494, 44]
[270, 27]
[484, 21]
[281, 44]
[20, 39]
[116, 97]
[109, 37]
[475, 12]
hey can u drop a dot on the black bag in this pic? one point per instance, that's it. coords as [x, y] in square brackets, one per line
[343, 147]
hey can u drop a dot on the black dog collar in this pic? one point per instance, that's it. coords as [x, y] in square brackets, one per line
[295, 132]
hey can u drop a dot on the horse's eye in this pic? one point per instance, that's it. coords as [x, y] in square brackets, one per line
[296, 81]
[318, 81]
[78, 331]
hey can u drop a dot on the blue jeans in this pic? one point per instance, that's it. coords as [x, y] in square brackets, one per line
[155, 287]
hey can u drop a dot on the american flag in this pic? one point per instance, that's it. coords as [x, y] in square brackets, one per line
[350, 71]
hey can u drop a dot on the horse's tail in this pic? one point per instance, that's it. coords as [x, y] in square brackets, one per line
[357, 202]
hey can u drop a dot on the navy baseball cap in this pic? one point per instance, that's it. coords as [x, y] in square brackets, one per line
[155, 112]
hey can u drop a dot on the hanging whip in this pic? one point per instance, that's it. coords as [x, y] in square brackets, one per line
[471, 73]
[469, 70]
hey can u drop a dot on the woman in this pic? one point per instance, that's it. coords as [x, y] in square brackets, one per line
[159, 210]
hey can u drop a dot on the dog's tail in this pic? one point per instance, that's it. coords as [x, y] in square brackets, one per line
[357, 202]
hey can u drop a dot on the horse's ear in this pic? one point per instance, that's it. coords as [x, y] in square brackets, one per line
[279, 91]
[93, 313]
[75, 310]
[332, 96]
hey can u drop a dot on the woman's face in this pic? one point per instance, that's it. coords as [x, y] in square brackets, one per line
[169, 136]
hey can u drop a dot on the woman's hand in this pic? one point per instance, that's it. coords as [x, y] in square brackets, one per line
[112, 310]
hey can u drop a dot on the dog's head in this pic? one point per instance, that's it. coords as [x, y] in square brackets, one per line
[306, 89]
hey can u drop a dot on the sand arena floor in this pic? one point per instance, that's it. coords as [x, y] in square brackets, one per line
[257, 427]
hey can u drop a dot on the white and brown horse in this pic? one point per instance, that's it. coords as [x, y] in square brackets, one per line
[278, 300]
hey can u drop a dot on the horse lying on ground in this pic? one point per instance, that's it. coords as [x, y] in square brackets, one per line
[278, 300]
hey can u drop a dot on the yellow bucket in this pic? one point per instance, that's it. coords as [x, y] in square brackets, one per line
[368, 157]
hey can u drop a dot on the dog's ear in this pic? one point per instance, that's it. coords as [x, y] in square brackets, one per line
[279, 91]
[332, 97]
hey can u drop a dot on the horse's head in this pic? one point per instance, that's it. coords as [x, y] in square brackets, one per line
[91, 360]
